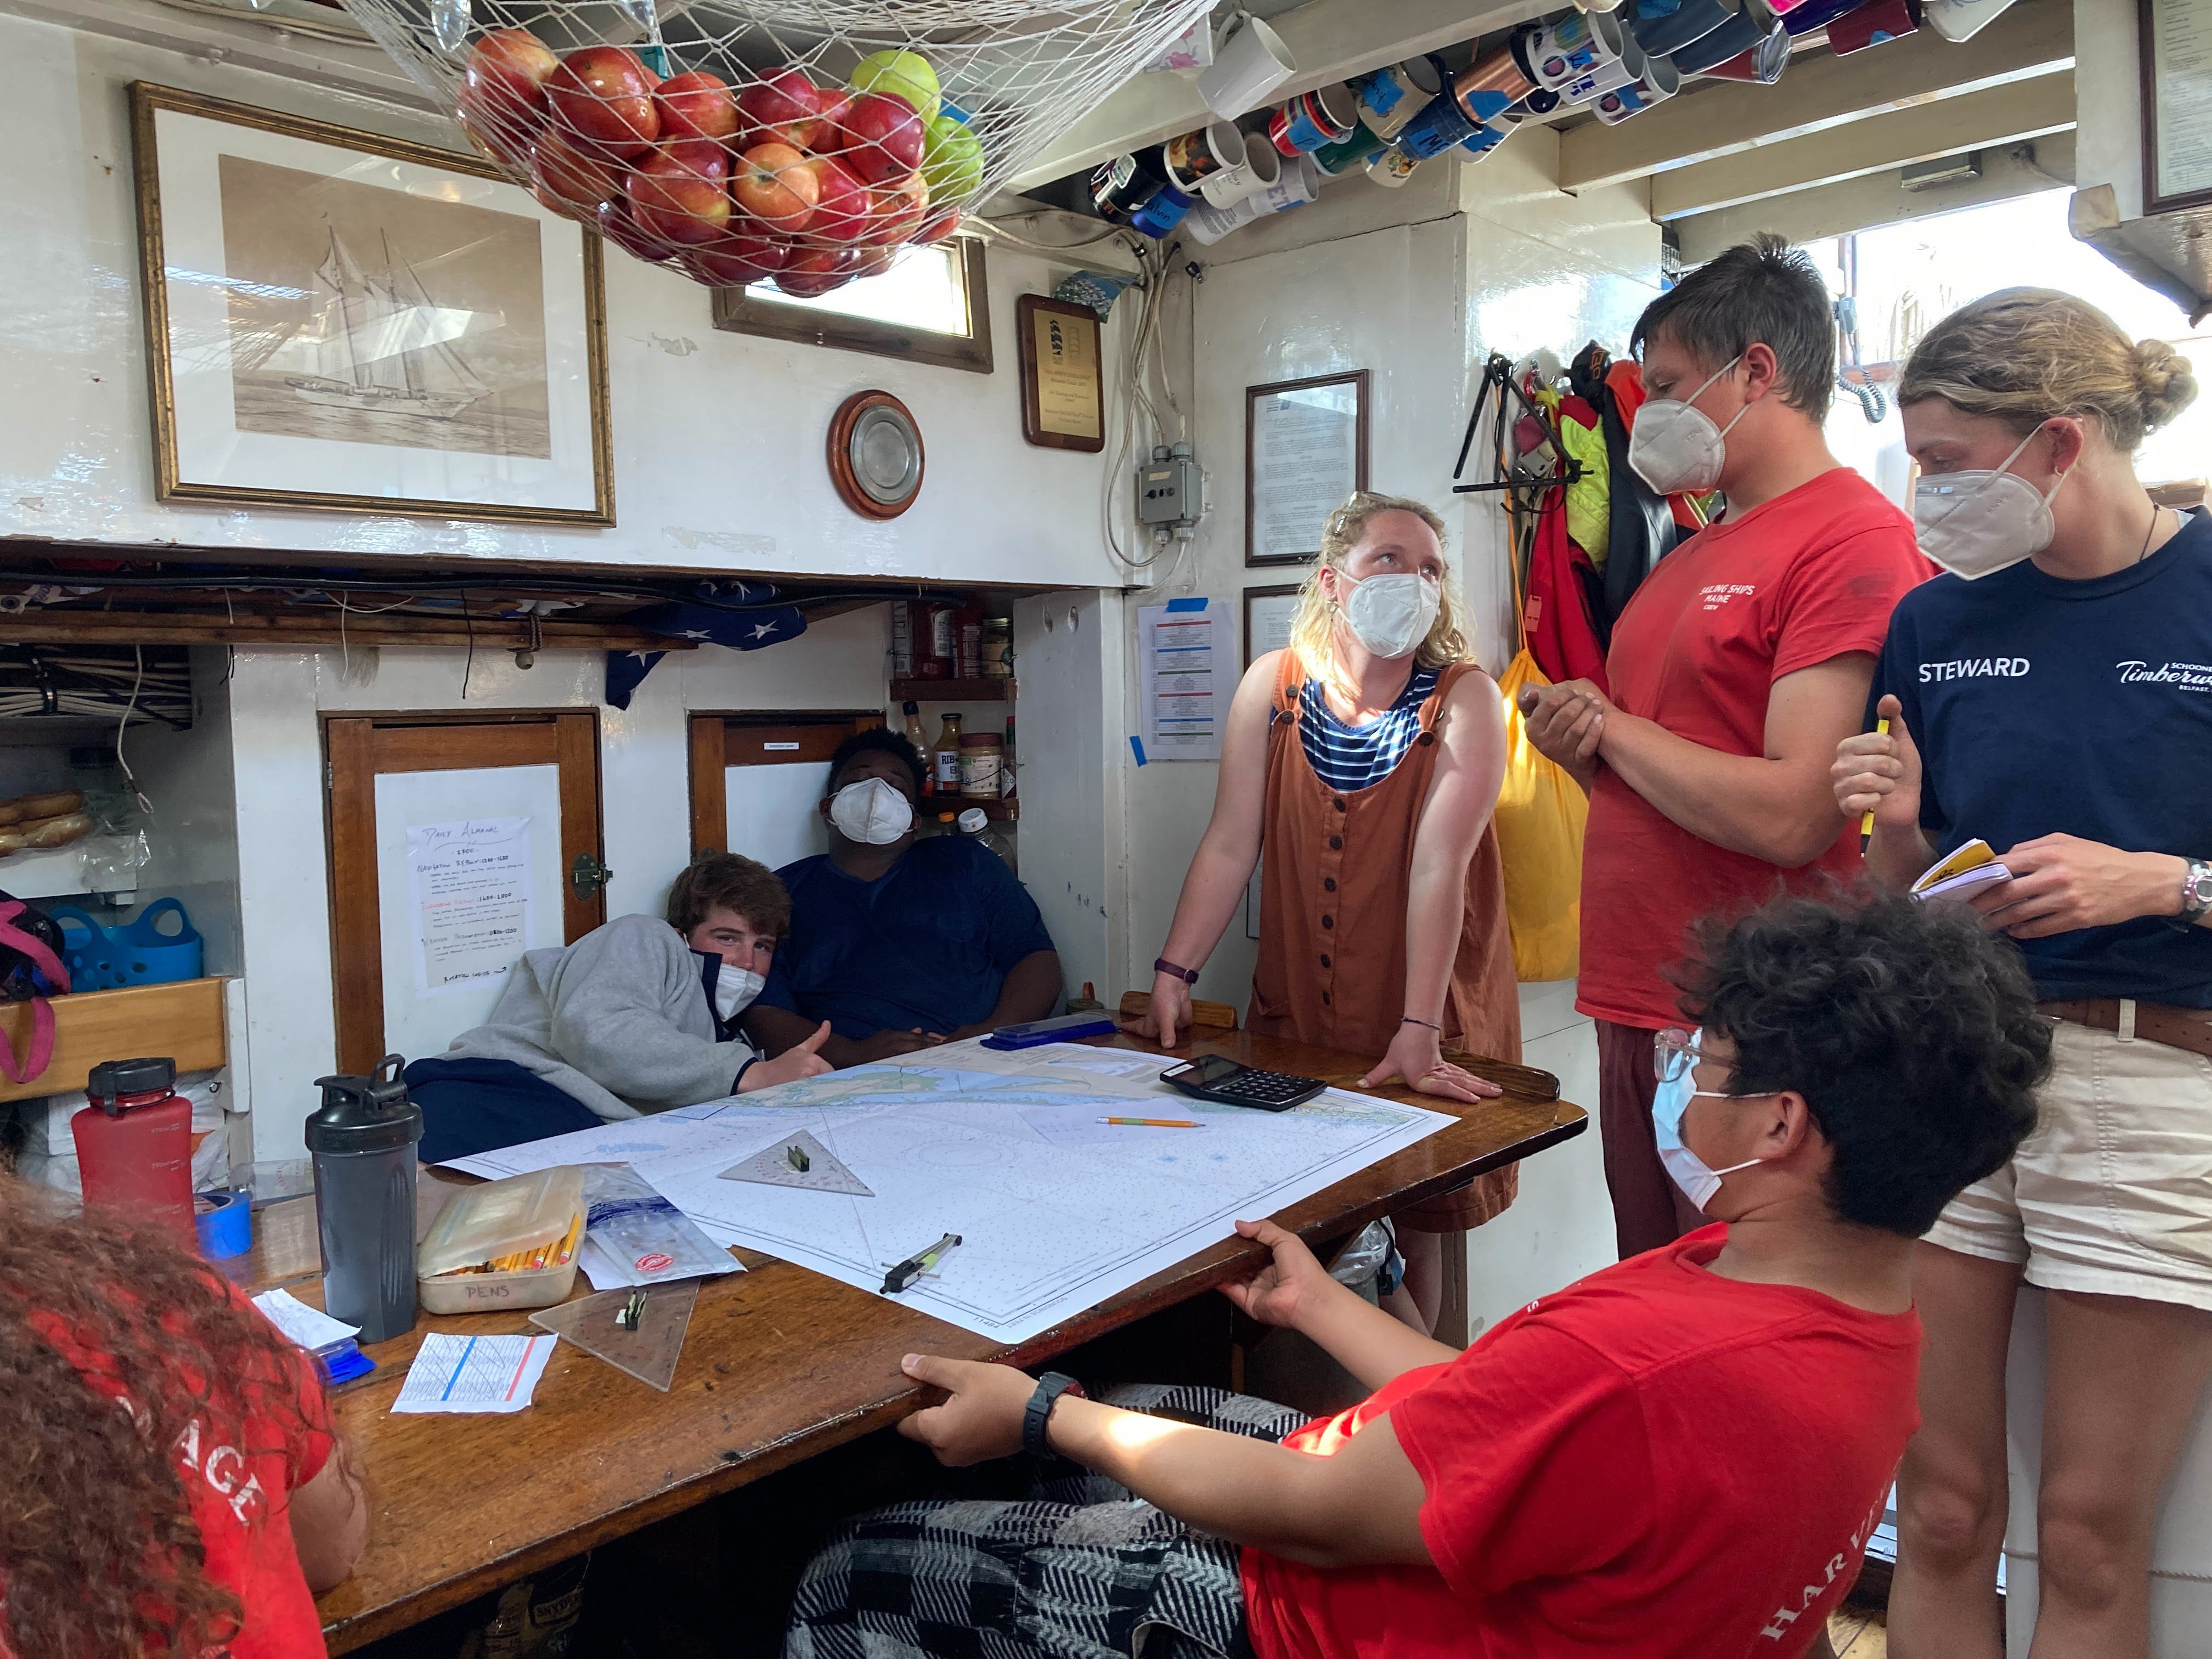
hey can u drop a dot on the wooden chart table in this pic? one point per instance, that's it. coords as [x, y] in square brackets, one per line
[779, 1364]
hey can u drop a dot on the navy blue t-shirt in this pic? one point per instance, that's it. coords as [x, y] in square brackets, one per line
[927, 943]
[2044, 706]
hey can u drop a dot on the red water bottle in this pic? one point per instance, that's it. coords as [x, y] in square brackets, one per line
[134, 1143]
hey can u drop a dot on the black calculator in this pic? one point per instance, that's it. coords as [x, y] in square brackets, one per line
[1216, 1077]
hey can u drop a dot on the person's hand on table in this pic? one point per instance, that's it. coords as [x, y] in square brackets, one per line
[890, 1045]
[2062, 883]
[982, 1417]
[1169, 1012]
[1878, 772]
[1566, 722]
[1417, 1058]
[1286, 1289]
[801, 1059]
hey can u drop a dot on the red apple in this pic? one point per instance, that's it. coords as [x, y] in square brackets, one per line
[680, 193]
[841, 210]
[735, 261]
[502, 102]
[937, 229]
[895, 212]
[570, 181]
[874, 261]
[777, 185]
[615, 224]
[603, 95]
[785, 108]
[880, 136]
[817, 270]
[696, 105]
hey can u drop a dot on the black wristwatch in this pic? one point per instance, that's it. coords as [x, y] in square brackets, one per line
[1037, 1415]
[2195, 896]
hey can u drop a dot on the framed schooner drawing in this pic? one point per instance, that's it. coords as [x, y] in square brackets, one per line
[342, 321]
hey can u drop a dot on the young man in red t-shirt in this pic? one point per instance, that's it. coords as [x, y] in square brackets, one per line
[1742, 661]
[1680, 1457]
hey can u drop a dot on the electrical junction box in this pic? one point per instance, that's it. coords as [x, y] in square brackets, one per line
[1170, 488]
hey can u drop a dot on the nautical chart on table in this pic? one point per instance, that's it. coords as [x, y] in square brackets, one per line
[1055, 1211]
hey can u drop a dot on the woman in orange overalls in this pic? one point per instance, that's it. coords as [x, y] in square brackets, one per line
[1366, 759]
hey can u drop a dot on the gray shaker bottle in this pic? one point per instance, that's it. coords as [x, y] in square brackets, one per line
[363, 1140]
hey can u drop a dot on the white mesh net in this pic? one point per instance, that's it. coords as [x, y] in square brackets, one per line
[803, 140]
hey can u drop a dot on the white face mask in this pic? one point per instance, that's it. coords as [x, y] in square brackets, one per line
[734, 991]
[870, 811]
[1697, 1180]
[1675, 448]
[1391, 615]
[1976, 523]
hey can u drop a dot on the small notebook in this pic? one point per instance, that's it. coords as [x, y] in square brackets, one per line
[1971, 866]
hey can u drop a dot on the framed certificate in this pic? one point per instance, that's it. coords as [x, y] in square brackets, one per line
[2174, 38]
[1268, 614]
[1063, 382]
[1305, 450]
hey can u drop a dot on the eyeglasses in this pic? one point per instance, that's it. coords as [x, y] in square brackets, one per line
[1674, 1051]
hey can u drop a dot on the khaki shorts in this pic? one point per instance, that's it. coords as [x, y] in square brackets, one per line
[2112, 1194]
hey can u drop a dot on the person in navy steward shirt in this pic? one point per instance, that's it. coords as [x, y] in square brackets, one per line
[1739, 665]
[2052, 695]
[900, 943]
[1680, 1457]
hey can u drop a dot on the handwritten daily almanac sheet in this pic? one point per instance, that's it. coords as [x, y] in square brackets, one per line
[1055, 1211]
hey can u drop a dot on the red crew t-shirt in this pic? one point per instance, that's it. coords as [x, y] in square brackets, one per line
[1655, 1463]
[1797, 581]
[237, 1478]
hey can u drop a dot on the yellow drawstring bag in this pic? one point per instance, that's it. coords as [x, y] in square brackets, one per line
[1540, 817]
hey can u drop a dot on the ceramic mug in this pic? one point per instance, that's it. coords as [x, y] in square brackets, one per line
[1431, 132]
[1871, 24]
[1167, 208]
[1252, 63]
[1390, 97]
[1740, 34]
[1569, 48]
[1662, 33]
[1763, 65]
[1261, 165]
[1306, 122]
[1393, 166]
[1196, 154]
[1353, 152]
[1659, 82]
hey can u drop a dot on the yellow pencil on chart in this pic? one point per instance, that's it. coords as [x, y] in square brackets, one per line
[1865, 823]
[1152, 1122]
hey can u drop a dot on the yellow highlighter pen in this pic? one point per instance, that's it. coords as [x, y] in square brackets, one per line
[1865, 823]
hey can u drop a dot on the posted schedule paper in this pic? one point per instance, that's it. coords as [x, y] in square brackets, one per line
[474, 1373]
[471, 899]
[1187, 678]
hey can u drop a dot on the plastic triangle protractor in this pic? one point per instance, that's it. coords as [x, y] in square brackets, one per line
[648, 1353]
[780, 1164]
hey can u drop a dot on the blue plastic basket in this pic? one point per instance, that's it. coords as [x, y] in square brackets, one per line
[102, 958]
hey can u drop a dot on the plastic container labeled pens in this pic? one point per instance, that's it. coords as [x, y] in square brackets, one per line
[506, 1245]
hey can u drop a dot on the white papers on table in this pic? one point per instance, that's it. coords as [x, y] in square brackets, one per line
[471, 901]
[311, 1327]
[474, 1373]
[1187, 676]
[1967, 868]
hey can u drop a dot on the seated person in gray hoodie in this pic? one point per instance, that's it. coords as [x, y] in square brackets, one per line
[635, 1016]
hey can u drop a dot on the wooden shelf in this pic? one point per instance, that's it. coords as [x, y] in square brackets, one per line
[183, 1021]
[989, 691]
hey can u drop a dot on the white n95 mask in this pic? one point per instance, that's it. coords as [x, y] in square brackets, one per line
[734, 991]
[1675, 446]
[871, 811]
[1698, 1180]
[1976, 523]
[1391, 615]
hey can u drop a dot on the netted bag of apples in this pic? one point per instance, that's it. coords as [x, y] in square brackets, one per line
[807, 142]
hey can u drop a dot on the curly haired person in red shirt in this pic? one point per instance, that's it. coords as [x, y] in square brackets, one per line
[169, 1480]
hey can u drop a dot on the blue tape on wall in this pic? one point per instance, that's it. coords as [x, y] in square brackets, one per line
[1185, 605]
[1137, 744]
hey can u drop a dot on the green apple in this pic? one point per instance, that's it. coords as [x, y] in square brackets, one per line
[952, 160]
[907, 74]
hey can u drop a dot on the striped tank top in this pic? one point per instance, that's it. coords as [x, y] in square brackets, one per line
[1347, 757]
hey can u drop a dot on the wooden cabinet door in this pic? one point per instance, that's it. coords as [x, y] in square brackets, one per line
[454, 847]
[756, 780]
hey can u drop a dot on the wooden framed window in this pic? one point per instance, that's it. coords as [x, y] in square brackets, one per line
[456, 844]
[932, 307]
[757, 779]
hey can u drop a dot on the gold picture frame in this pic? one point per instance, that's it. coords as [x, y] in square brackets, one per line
[339, 321]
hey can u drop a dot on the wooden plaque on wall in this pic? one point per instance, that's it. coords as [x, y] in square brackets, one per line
[1063, 374]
